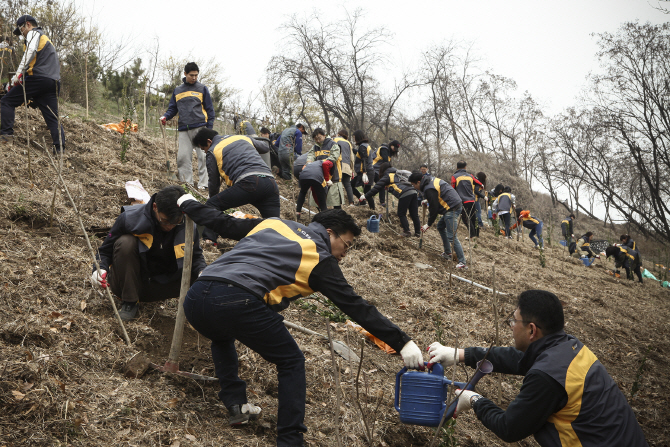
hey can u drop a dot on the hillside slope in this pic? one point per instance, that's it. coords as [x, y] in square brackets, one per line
[62, 358]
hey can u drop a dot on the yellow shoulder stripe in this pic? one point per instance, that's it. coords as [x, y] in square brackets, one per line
[218, 154]
[189, 94]
[146, 238]
[179, 250]
[436, 184]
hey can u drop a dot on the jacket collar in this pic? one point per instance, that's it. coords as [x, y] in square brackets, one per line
[321, 231]
[538, 347]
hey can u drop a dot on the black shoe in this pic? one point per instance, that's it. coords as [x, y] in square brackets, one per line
[128, 311]
[417, 234]
[407, 234]
[446, 256]
[242, 414]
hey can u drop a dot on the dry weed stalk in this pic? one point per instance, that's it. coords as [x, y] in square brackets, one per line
[368, 418]
[336, 374]
[496, 319]
[88, 241]
[25, 102]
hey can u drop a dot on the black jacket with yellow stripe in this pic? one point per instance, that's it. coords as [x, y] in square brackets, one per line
[440, 195]
[279, 261]
[567, 398]
[397, 184]
[363, 161]
[140, 221]
[232, 158]
[381, 155]
[329, 150]
[529, 222]
[194, 105]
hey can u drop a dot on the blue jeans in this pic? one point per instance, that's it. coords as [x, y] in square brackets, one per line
[478, 207]
[447, 227]
[537, 230]
[225, 313]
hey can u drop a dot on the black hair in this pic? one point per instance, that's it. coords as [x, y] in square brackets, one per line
[415, 176]
[191, 66]
[461, 165]
[507, 189]
[625, 237]
[542, 308]
[396, 144]
[482, 178]
[587, 235]
[424, 166]
[572, 216]
[166, 201]
[265, 130]
[318, 131]
[204, 134]
[518, 211]
[338, 221]
[383, 167]
[300, 126]
[612, 251]
[498, 189]
[33, 23]
[360, 137]
[343, 133]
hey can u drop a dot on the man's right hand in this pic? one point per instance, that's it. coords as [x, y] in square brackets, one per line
[424, 228]
[362, 199]
[365, 179]
[184, 198]
[100, 279]
[442, 354]
[163, 120]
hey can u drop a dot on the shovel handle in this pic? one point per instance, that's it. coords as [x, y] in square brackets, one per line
[185, 285]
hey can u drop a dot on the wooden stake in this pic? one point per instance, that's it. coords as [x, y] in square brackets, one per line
[336, 374]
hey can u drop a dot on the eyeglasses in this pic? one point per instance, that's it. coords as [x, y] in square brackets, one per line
[167, 223]
[511, 321]
[347, 244]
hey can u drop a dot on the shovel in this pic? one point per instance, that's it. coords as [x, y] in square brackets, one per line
[170, 174]
[340, 348]
[423, 222]
[172, 363]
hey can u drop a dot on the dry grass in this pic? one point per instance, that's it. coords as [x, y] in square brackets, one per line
[62, 358]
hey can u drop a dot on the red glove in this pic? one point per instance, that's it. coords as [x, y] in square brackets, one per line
[19, 81]
[100, 280]
[495, 215]
[163, 120]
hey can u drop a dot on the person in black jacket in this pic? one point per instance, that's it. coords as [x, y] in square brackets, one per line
[142, 256]
[627, 258]
[567, 397]
[399, 186]
[363, 166]
[239, 295]
[628, 242]
[383, 154]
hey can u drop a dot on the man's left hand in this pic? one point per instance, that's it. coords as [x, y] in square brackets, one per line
[329, 183]
[412, 355]
[464, 401]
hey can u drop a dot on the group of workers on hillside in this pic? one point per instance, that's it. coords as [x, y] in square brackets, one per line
[567, 397]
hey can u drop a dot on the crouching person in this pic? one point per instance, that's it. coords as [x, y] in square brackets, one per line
[567, 397]
[142, 257]
[239, 295]
[627, 258]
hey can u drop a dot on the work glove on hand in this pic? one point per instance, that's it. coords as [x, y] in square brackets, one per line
[163, 120]
[329, 183]
[362, 199]
[424, 202]
[442, 354]
[100, 280]
[412, 356]
[184, 198]
[16, 80]
[365, 179]
[424, 228]
[464, 397]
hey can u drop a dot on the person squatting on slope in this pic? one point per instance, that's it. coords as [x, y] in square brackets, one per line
[465, 184]
[627, 258]
[383, 154]
[38, 74]
[582, 248]
[239, 297]
[365, 172]
[443, 200]
[402, 189]
[347, 153]
[317, 176]
[193, 103]
[567, 397]
[503, 206]
[327, 149]
[142, 257]
[533, 224]
[236, 160]
[567, 229]
[289, 146]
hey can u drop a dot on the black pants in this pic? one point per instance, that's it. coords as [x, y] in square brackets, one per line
[224, 313]
[258, 190]
[358, 181]
[506, 221]
[411, 203]
[382, 193]
[129, 282]
[469, 217]
[346, 181]
[44, 94]
[318, 191]
[286, 167]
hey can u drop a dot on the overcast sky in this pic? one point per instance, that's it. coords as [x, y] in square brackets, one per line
[545, 46]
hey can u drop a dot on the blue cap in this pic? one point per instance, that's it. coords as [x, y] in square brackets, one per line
[19, 23]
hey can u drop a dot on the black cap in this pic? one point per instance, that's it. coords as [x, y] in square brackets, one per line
[23, 19]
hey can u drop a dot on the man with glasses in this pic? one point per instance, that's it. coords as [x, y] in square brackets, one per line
[239, 297]
[142, 257]
[567, 397]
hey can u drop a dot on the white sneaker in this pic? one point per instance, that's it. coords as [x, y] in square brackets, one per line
[461, 265]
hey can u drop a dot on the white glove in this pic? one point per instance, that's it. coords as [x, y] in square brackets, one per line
[365, 178]
[424, 228]
[184, 198]
[163, 120]
[444, 355]
[100, 280]
[464, 397]
[424, 202]
[362, 199]
[412, 356]
[329, 183]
